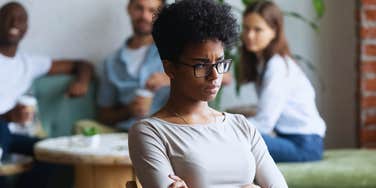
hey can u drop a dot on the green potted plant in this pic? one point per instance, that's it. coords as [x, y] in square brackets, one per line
[91, 137]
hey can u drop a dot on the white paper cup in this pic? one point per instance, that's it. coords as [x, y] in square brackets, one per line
[144, 93]
[1, 154]
[30, 102]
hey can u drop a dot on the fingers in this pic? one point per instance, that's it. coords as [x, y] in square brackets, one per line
[139, 107]
[178, 182]
[156, 81]
[151, 85]
[21, 114]
[174, 177]
[77, 89]
[250, 186]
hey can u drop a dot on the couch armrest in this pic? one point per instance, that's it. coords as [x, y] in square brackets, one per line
[58, 112]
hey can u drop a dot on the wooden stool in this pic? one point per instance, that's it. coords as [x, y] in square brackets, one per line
[14, 164]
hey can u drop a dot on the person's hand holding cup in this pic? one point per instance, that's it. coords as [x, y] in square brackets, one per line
[23, 113]
[140, 106]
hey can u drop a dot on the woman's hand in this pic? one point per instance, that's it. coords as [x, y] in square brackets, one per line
[178, 182]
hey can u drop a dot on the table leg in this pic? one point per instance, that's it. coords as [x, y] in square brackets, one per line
[103, 176]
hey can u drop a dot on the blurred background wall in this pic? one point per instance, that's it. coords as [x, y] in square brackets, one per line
[92, 29]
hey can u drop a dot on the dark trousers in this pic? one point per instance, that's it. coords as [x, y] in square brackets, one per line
[41, 175]
[12, 143]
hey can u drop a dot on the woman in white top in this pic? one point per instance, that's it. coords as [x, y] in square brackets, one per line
[286, 103]
[187, 143]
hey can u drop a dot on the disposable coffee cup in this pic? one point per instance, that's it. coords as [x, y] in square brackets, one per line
[144, 93]
[147, 97]
[1, 153]
[31, 104]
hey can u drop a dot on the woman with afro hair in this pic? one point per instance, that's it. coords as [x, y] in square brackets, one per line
[187, 143]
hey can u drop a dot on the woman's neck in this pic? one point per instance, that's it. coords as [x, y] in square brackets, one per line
[186, 106]
[183, 110]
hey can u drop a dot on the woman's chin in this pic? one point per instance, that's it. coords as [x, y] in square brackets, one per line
[209, 97]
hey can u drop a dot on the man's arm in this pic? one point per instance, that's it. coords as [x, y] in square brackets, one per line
[156, 81]
[82, 70]
[114, 114]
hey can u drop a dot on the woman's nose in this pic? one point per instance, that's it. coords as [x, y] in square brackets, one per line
[213, 74]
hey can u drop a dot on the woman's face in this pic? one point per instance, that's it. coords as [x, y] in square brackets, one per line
[195, 85]
[257, 34]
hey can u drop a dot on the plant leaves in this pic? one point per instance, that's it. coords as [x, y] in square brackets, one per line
[319, 7]
[247, 2]
[296, 15]
[89, 131]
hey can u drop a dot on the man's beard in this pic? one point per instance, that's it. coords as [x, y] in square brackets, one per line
[140, 31]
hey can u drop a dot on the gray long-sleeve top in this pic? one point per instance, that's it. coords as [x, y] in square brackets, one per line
[227, 154]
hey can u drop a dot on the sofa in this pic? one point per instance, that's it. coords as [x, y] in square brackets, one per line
[355, 168]
[339, 168]
[57, 111]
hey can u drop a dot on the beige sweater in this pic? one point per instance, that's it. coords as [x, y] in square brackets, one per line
[227, 154]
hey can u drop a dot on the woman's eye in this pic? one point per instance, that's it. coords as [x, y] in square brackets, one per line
[200, 66]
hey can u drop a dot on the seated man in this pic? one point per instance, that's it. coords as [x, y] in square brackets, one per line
[134, 73]
[17, 72]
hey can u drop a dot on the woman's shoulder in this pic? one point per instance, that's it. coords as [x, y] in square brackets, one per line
[239, 121]
[145, 125]
[279, 61]
[234, 117]
[279, 65]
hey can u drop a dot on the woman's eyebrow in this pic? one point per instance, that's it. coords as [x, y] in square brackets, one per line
[206, 60]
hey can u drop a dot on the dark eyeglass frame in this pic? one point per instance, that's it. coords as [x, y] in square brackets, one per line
[209, 69]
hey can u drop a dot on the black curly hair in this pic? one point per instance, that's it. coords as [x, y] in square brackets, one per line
[193, 21]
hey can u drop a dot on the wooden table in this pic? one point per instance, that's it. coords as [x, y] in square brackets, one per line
[15, 164]
[105, 166]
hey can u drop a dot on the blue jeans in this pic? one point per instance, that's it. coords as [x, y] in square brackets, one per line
[294, 148]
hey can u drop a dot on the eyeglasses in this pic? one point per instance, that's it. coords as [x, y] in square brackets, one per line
[204, 69]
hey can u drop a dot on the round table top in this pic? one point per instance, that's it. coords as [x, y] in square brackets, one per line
[112, 149]
[14, 164]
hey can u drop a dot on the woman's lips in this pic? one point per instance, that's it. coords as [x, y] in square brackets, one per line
[213, 89]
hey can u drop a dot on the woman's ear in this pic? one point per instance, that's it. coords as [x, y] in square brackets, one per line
[169, 68]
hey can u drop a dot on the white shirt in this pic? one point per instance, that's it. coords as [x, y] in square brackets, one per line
[16, 76]
[136, 57]
[287, 101]
[227, 154]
